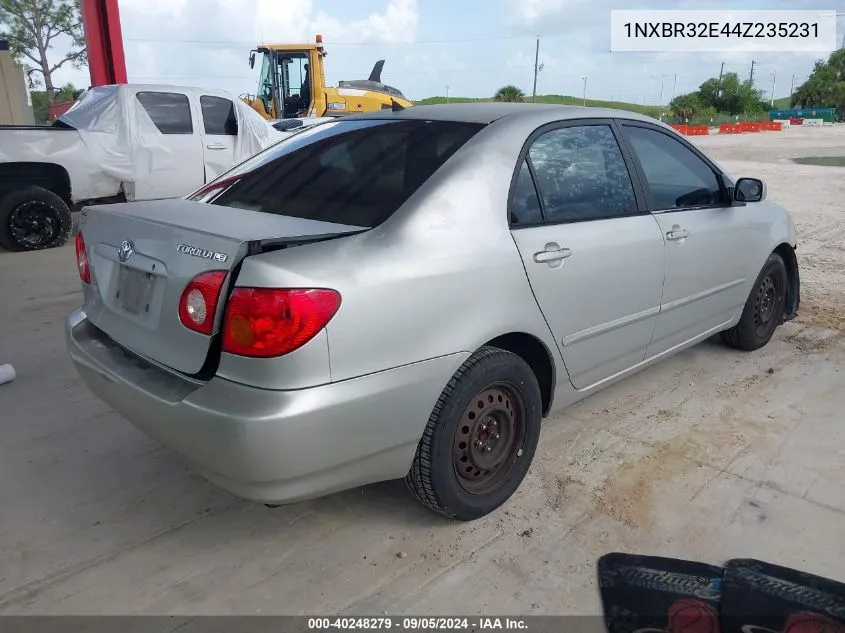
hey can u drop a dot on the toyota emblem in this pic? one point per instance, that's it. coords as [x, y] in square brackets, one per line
[125, 251]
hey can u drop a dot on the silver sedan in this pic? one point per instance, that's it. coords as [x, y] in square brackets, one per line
[408, 294]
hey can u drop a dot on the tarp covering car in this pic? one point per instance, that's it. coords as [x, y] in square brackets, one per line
[128, 146]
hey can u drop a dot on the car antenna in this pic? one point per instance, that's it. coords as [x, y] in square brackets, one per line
[396, 107]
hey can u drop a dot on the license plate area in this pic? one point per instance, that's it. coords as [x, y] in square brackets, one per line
[134, 290]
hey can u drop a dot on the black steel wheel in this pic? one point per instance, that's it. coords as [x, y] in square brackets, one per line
[490, 436]
[33, 218]
[481, 437]
[764, 310]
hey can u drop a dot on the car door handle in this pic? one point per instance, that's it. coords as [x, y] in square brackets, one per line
[216, 146]
[677, 234]
[553, 253]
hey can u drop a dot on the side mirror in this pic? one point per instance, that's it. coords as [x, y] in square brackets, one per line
[749, 190]
[252, 59]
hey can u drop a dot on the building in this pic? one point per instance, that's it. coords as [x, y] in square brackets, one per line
[15, 100]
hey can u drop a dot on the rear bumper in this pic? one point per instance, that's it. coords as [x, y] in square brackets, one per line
[269, 446]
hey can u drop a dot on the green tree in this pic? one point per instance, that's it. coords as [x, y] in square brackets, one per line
[33, 27]
[686, 106]
[509, 93]
[730, 95]
[825, 87]
[41, 106]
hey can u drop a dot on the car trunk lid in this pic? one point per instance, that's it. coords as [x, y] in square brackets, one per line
[142, 255]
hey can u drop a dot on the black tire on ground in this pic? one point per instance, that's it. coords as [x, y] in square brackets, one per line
[480, 438]
[33, 218]
[764, 308]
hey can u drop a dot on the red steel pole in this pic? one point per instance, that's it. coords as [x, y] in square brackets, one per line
[106, 60]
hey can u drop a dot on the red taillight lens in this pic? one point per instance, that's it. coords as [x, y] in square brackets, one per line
[212, 189]
[82, 260]
[265, 322]
[198, 303]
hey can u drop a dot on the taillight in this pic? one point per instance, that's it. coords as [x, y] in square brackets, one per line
[198, 303]
[213, 189]
[82, 260]
[265, 322]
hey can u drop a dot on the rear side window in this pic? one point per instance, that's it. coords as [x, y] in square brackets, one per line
[171, 112]
[356, 172]
[525, 204]
[581, 174]
[218, 116]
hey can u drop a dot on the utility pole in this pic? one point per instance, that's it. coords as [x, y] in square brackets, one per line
[536, 69]
[751, 78]
[585, 91]
[719, 86]
[675, 87]
[661, 91]
[447, 93]
[774, 77]
[792, 89]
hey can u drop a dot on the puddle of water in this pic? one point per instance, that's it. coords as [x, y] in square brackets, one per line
[822, 161]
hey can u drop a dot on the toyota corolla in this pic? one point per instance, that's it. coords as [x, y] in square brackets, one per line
[408, 294]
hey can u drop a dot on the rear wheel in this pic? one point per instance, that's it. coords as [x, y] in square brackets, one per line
[33, 218]
[763, 310]
[480, 438]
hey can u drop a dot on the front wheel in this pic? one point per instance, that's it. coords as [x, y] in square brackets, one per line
[33, 218]
[764, 309]
[480, 438]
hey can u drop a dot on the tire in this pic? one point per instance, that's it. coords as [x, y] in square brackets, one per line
[502, 434]
[764, 309]
[32, 218]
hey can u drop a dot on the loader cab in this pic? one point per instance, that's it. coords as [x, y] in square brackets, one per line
[286, 83]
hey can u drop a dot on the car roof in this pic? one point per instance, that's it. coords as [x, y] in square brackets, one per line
[485, 112]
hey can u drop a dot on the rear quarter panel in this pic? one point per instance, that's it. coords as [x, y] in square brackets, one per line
[442, 276]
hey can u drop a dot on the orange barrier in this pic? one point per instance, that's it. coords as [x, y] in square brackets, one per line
[692, 130]
[730, 128]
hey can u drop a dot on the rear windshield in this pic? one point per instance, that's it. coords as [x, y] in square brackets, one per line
[347, 172]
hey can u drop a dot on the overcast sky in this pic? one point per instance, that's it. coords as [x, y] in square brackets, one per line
[472, 46]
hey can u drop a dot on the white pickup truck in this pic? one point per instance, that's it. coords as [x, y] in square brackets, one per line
[119, 143]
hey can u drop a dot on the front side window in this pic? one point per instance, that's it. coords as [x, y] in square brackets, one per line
[581, 174]
[347, 172]
[675, 175]
[171, 112]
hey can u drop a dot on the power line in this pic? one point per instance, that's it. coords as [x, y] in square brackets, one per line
[332, 43]
[410, 72]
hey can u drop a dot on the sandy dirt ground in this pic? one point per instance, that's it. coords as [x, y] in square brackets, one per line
[711, 455]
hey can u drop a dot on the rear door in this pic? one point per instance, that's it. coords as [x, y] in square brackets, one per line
[172, 115]
[593, 255]
[707, 239]
[219, 131]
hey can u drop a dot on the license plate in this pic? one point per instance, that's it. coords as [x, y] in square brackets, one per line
[134, 290]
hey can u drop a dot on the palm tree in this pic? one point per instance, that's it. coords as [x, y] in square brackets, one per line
[509, 93]
[686, 106]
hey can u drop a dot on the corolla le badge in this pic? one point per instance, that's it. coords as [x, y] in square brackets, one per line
[125, 250]
[193, 251]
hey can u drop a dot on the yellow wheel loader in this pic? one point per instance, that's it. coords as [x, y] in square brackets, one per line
[292, 84]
